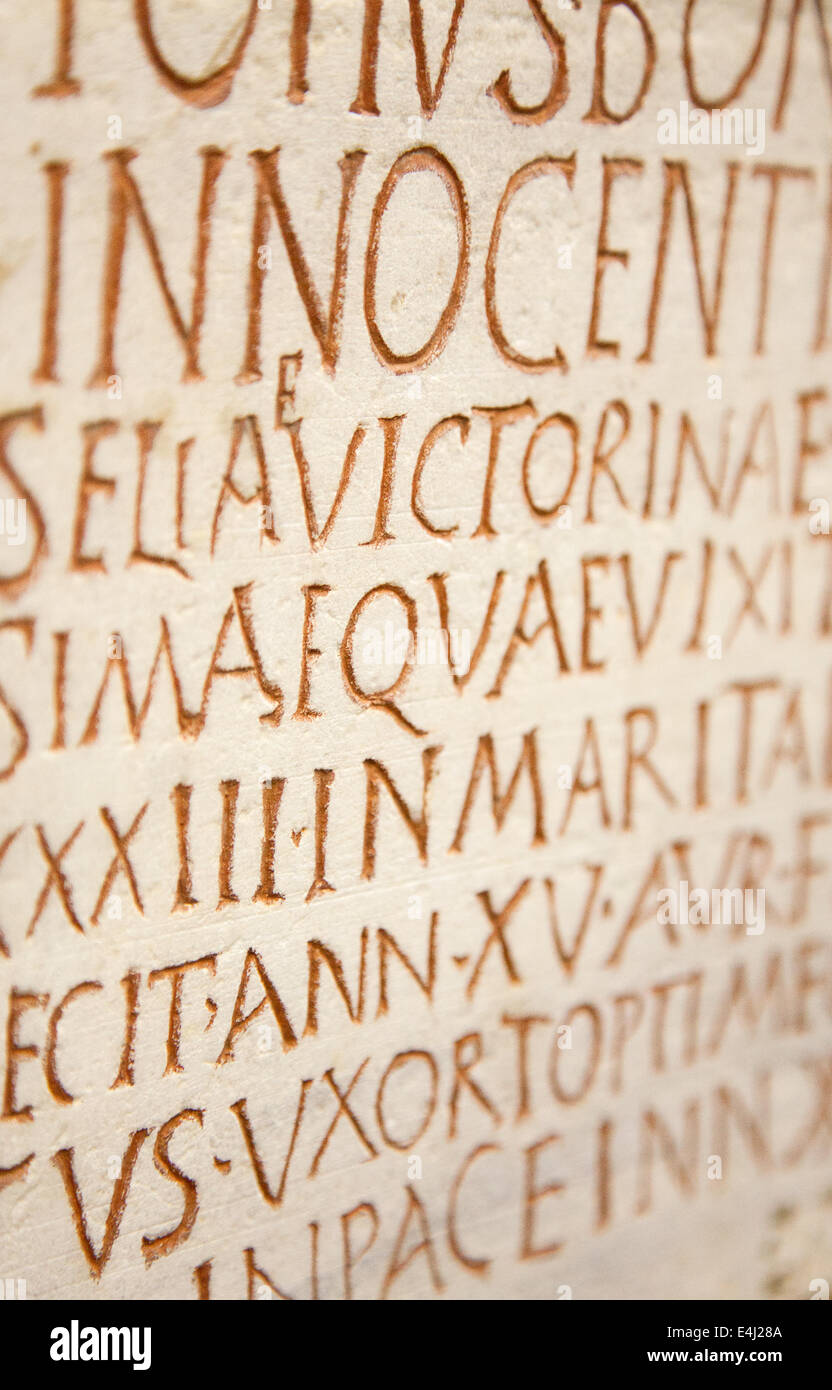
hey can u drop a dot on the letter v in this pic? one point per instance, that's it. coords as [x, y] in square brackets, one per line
[568, 959]
[428, 95]
[239, 1108]
[63, 1161]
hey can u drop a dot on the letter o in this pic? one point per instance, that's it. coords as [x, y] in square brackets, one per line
[197, 91]
[558, 1091]
[716, 103]
[400, 1060]
[419, 160]
[571, 428]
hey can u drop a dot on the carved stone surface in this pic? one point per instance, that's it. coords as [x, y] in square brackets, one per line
[415, 694]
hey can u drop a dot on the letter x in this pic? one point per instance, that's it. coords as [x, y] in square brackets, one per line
[498, 922]
[751, 586]
[120, 860]
[4, 849]
[343, 1109]
[55, 878]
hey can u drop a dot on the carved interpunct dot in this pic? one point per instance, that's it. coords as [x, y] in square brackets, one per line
[415, 712]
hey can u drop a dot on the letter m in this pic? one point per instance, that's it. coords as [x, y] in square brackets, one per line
[485, 759]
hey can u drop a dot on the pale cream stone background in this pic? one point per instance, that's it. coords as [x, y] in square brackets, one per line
[732, 1239]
